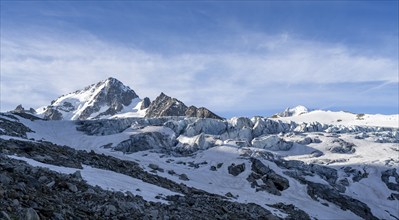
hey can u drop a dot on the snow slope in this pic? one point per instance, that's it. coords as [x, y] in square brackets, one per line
[344, 118]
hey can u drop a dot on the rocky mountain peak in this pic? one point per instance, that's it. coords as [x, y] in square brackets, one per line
[21, 109]
[165, 105]
[111, 98]
[107, 97]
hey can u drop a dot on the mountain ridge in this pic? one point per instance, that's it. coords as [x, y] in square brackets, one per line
[104, 98]
[110, 98]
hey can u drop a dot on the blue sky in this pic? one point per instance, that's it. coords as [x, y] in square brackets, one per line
[236, 58]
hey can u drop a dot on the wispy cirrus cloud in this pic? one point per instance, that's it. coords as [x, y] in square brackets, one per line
[269, 72]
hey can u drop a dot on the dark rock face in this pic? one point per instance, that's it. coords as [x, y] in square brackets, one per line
[113, 95]
[164, 105]
[12, 127]
[21, 110]
[235, 170]
[272, 182]
[395, 176]
[201, 112]
[356, 174]
[52, 113]
[394, 196]
[145, 104]
[298, 170]
[317, 190]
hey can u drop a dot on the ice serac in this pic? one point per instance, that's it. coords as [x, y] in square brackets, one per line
[298, 110]
[105, 98]
[165, 105]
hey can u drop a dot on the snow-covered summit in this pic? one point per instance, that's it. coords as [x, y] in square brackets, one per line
[103, 99]
[294, 111]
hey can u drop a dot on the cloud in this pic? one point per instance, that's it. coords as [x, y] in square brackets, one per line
[268, 71]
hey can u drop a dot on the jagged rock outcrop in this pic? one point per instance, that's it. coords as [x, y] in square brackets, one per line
[20, 109]
[356, 174]
[271, 181]
[164, 105]
[201, 112]
[317, 190]
[11, 126]
[52, 113]
[145, 103]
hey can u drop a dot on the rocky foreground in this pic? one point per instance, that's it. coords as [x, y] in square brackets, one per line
[28, 192]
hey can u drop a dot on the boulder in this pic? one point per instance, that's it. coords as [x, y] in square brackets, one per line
[31, 214]
[235, 170]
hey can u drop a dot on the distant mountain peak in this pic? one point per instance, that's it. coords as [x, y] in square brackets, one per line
[293, 111]
[106, 97]
[110, 98]
[165, 105]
